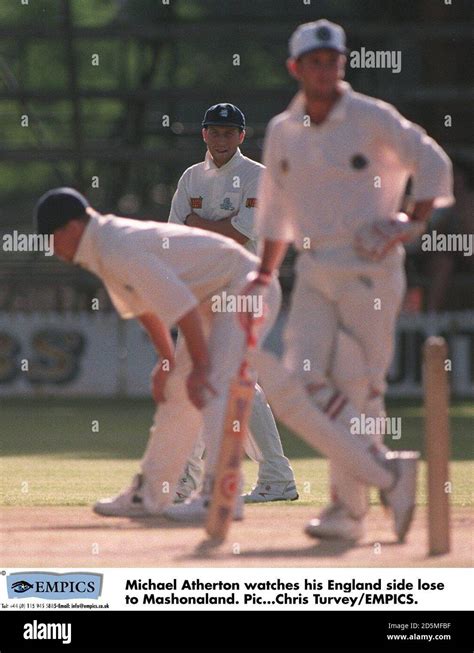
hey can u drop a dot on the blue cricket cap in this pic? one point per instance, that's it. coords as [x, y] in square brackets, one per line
[57, 207]
[224, 114]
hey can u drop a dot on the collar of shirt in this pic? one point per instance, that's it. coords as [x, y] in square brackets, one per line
[86, 255]
[210, 165]
[297, 107]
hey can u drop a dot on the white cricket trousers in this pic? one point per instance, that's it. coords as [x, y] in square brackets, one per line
[361, 299]
[354, 304]
[177, 423]
[263, 445]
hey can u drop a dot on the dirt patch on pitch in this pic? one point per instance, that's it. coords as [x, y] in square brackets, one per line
[270, 536]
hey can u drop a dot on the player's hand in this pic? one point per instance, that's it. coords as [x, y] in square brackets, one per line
[190, 219]
[252, 320]
[373, 241]
[199, 387]
[159, 378]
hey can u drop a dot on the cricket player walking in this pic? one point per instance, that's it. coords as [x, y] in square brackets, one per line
[337, 164]
[220, 195]
[166, 275]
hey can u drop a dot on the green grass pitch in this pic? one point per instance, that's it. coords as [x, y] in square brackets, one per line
[52, 456]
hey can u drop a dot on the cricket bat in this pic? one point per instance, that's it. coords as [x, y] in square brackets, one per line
[227, 478]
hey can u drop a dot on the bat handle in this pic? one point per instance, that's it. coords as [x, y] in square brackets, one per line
[251, 339]
[244, 370]
[251, 335]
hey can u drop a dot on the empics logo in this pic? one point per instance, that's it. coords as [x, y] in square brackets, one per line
[21, 586]
[43, 585]
[38, 630]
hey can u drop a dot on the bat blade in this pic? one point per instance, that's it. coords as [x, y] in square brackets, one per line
[227, 478]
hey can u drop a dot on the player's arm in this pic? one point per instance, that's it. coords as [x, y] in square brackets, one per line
[272, 256]
[431, 173]
[274, 218]
[426, 162]
[373, 241]
[422, 211]
[274, 224]
[198, 380]
[180, 214]
[160, 336]
[161, 292]
[223, 227]
[244, 220]
[191, 328]
[180, 203]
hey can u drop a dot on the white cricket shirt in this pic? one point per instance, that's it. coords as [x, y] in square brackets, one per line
[322, 182]
[160, 268]
[215, 193]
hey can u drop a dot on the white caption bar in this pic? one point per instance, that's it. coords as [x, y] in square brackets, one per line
[261, 589]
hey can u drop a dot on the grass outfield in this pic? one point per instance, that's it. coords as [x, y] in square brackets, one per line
[52, 457]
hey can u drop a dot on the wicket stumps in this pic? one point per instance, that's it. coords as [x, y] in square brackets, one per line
[437, 442]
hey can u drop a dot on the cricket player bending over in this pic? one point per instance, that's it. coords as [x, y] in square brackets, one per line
[165, 275]
[220, 195]
[337, 163]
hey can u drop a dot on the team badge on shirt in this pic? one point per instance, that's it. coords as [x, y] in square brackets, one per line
[359, 162]
[196, 202]
[227, 205]
[251, 203]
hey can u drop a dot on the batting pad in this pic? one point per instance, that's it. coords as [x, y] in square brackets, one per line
[293, 406]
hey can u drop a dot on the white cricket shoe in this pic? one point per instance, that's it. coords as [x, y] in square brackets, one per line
[401, 497]
[194, 510]
[127, 504]
[335, 522]
[280, 491]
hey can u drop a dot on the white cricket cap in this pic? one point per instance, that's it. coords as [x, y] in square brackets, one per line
[315, 36]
